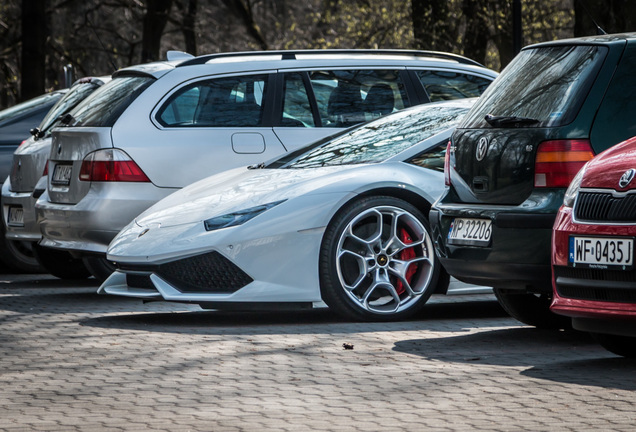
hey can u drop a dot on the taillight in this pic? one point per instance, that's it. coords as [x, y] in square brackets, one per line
[111, 165]
[46, 169]
[447, 177]
[558, 161]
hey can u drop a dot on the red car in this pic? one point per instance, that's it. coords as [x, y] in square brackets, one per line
[593, 273]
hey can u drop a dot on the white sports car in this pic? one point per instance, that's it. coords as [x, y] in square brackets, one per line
[342, 221]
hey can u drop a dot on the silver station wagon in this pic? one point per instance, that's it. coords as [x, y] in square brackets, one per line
[158, 127]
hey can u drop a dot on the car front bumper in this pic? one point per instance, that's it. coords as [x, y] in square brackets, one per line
[598, 300]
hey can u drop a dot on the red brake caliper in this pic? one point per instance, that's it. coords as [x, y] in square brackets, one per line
[405, 255]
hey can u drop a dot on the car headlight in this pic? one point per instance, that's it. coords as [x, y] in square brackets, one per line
[573, 190]
[237, 218]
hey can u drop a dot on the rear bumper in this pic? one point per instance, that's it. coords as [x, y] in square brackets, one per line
[518, 256]
[90, 225]
[30, 230]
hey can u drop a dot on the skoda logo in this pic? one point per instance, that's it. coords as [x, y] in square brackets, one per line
[626, 178]
[482, 148]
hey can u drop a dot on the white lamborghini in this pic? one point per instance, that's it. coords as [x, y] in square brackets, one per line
[342, 222]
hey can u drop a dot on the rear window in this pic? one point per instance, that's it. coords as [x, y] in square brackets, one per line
[106, 104]
[75, 95]
[31, 104]
[547, 84]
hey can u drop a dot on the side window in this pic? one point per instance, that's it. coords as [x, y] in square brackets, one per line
[432, 158]
[222, 102]
[296, 107]
[444, 85]
[347, 97]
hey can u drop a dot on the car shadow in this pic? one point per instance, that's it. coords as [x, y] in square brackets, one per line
[290, 321]
[562, 356]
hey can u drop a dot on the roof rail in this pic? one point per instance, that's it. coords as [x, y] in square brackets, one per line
[291, 54]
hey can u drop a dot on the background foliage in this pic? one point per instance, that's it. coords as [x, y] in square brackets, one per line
[39, 37]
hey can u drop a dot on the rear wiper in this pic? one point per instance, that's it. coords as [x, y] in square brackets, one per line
[257, 166]
[499, 121]
[67, 119]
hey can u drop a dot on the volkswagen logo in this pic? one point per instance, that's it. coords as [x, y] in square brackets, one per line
[482, 149]
[626, 178]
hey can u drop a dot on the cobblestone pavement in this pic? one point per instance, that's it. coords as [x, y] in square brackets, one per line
[72, 360]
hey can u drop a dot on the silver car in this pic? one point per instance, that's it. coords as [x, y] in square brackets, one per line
[27, 181]
[158, 127]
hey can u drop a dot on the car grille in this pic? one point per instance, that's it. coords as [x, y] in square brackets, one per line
[596, 285]
[207, 273]
[604, 207]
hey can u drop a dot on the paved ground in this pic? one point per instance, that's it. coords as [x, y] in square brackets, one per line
[72, 360]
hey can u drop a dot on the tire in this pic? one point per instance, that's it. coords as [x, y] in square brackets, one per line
[621, 345]
[531, 309]
[377, 261]
[18, 255]
[99, 267]
[60, 263]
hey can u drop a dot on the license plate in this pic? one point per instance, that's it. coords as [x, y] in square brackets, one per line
[62, 174]
[602, 252]
[16, 216]
[472, 232]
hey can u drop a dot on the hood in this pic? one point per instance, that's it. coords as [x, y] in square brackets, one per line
[606, 169]
[240, 189]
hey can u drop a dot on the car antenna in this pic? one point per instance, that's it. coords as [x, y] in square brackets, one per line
[599, 30]
[112, 61]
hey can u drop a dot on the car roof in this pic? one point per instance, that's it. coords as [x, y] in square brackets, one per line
[606, 39]
[264, 60]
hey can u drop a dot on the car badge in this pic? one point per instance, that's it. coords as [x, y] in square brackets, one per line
[143, 232]
[482, 149]
[626, 178]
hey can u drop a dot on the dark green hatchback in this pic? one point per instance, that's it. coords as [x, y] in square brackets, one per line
[507, 166]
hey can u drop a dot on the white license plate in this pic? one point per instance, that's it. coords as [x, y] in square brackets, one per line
[16, 216]
[602, 252]
[473, 232]
[62, 174]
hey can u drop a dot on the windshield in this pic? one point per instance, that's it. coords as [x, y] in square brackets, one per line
[34, 103]
[103, 107]
[378, 140]
[541, 87]
[75, 95]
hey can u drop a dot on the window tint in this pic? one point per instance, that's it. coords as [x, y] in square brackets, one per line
[349, 97]
[296, 108]
[376, 141]
[105, 105]
[547, 84]
[445, 85]
[75, 95]
[432, 158]
[222, 102]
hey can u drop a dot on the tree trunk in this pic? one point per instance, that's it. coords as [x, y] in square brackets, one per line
[189, 33]
[241, 8]
[34, 34]
[154, 23]
[432, 25]
[476, 34]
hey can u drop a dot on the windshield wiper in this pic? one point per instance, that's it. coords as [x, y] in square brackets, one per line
[514, 121]
[257, 166]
